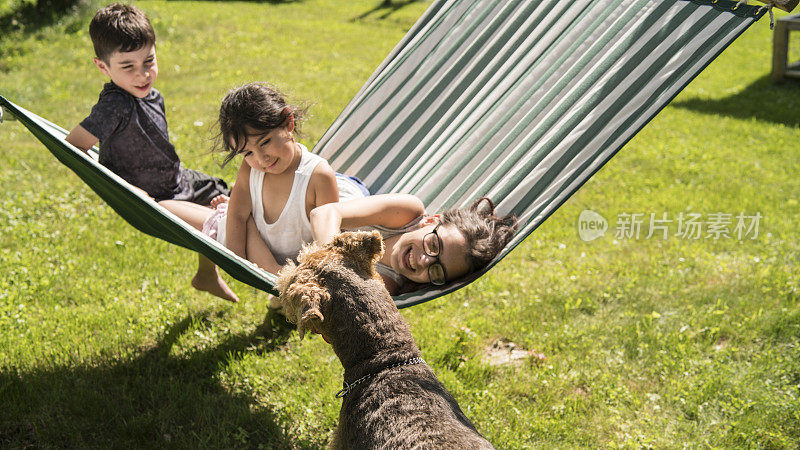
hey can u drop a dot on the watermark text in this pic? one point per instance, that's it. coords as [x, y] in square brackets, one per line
[684, 225]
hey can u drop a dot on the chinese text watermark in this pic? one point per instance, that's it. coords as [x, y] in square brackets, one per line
[686, 225]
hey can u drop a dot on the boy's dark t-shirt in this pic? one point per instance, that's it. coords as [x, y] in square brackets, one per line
[134, 144]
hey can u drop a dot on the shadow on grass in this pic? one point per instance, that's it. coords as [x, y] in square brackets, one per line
[385, 8]
[762, 100]
[152, 400]
[30, 17]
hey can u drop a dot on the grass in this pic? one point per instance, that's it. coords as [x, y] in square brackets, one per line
[649, 342]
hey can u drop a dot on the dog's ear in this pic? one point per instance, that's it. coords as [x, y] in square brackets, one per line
[309, 315]
[365, 247]
[367, 243]
[307, 252]
[303, 302]
[311, 320]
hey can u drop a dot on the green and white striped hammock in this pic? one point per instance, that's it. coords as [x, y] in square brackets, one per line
[519, 100]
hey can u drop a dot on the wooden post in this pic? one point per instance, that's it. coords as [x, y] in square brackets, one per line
[781, 67]
[780, 51]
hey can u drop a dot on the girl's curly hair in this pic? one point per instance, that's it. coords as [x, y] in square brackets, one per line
[486, 234]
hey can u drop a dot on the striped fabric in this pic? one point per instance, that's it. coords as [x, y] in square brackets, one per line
[520, 100]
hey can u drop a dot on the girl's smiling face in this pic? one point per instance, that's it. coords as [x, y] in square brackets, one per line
[408, 257]
[273, 152]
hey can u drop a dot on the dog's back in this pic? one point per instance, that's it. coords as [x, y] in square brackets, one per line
[405, 407]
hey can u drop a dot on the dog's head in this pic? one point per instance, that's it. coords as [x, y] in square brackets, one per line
[349, 258]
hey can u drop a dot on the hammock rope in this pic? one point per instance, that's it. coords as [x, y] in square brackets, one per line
[519, 100]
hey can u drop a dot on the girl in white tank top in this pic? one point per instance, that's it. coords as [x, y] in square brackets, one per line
[279, 180]
[278, 184]
[285, 236]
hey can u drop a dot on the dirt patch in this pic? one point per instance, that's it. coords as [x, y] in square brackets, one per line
[503, 352]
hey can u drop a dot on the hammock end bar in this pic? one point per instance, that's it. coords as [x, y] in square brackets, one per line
[6, 115]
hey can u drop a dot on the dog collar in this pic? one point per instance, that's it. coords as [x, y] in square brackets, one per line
[347, 387]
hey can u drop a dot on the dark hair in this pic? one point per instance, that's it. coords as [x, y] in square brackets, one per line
[257, 107]
[486, 234]
[120, 28]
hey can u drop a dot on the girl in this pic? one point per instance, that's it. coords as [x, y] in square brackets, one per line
[418, 248]
[268, 223]
[278, 184]
[279, 181]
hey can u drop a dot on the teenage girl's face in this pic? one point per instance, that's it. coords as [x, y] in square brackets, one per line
[274, 152]
[409, 259]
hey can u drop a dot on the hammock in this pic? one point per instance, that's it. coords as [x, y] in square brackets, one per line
[519, 100]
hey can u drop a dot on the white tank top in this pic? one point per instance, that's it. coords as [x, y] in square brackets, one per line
[348, 190]
[286, 235]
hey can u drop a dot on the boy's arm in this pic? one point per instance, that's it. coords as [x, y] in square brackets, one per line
[239, 209]
[81, 138]
[388, 210]
[84, 140]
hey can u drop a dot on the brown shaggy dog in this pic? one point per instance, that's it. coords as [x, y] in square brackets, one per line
[394, 399]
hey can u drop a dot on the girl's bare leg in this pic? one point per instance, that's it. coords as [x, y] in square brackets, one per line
[191, 213]
[207, 278]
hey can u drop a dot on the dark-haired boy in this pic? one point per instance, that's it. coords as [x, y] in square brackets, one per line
[129, 121]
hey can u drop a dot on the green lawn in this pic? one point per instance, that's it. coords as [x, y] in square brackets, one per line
[649, 342]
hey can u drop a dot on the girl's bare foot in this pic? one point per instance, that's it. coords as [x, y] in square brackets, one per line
[218, 200]
[211, 282]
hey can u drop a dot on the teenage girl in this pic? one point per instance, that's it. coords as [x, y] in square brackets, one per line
[418, 248]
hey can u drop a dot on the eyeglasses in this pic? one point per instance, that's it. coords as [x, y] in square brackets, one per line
[432, 246]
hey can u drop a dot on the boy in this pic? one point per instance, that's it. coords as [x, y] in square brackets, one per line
[129, 121]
